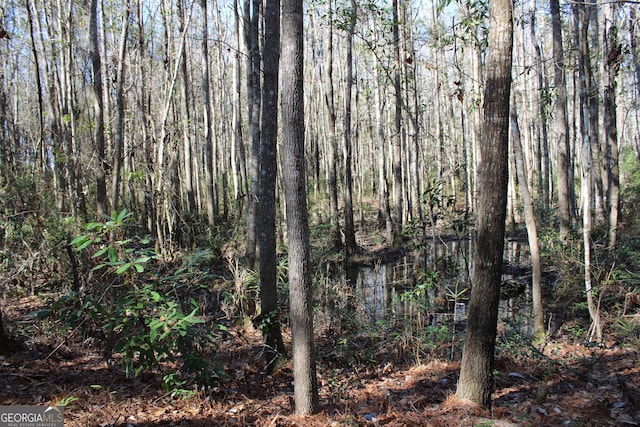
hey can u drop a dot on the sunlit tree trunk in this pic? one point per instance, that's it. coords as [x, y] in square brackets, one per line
[185, 116]
[545, 173]
[635, 55]
[476, 371]
[332, 146]
[40, 148]
[613, 59]
[585, 87]
[562, 124]
[530, 222]
[384, 207]
[300, 284]
[397, 130]
[118, 146]
[207, 117]
[252, 12]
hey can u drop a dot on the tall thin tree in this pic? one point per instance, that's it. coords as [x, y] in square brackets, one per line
[293, 134]
[562, 124]
[612, 62]
[530, 223]
[98, 104]
[349, 229]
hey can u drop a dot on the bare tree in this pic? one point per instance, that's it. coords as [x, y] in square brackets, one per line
[252, 12]
[582, 20]
[530, 223]
[207, 117]
[94, 52]
[476, 371]
[266, 224]
[332, 146]
[118, 146]
[300, 285]
[562, 124]
[613, 50]
[349, 229]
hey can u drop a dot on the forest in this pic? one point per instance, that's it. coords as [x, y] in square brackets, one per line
[321, 212]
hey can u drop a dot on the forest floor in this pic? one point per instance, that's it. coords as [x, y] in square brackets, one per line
[563, 384]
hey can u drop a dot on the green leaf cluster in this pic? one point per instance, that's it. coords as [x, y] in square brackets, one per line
[149, 321]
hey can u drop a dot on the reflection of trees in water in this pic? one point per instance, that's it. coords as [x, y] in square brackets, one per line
[430, 287]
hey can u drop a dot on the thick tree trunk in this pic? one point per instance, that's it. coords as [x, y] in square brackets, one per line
[300, 285]
[476, 372]
[274, 347]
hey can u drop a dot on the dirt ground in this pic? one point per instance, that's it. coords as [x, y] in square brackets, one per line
[563, 384]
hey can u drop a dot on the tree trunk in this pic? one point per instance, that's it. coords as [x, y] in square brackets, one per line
[349, 229]
[584, 70]
[274, 347]
[384, 207]
[612, 63]
[532, 231]
[252, 11]
[332, 184]
[185, 115]
[476, 372]
[545, 173]
[98, 132]
[300, 284]
[562, 124]
[397, 131]
[635, 55]
[207, 117]
[118, 146]
[240, 156]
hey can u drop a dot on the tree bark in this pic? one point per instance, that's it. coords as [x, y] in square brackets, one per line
[274, 346]
[207, 117]
[397, 131]
[613, 59]
[585, 87]
[98, 132]
[349, 228]
[118, 146]
[300, 285]
[185, 116]
[562, 124]
[332, 161]
[252, 11]
[476, 372]
[532, 231]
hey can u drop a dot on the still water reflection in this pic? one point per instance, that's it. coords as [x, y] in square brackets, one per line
[434, 284]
